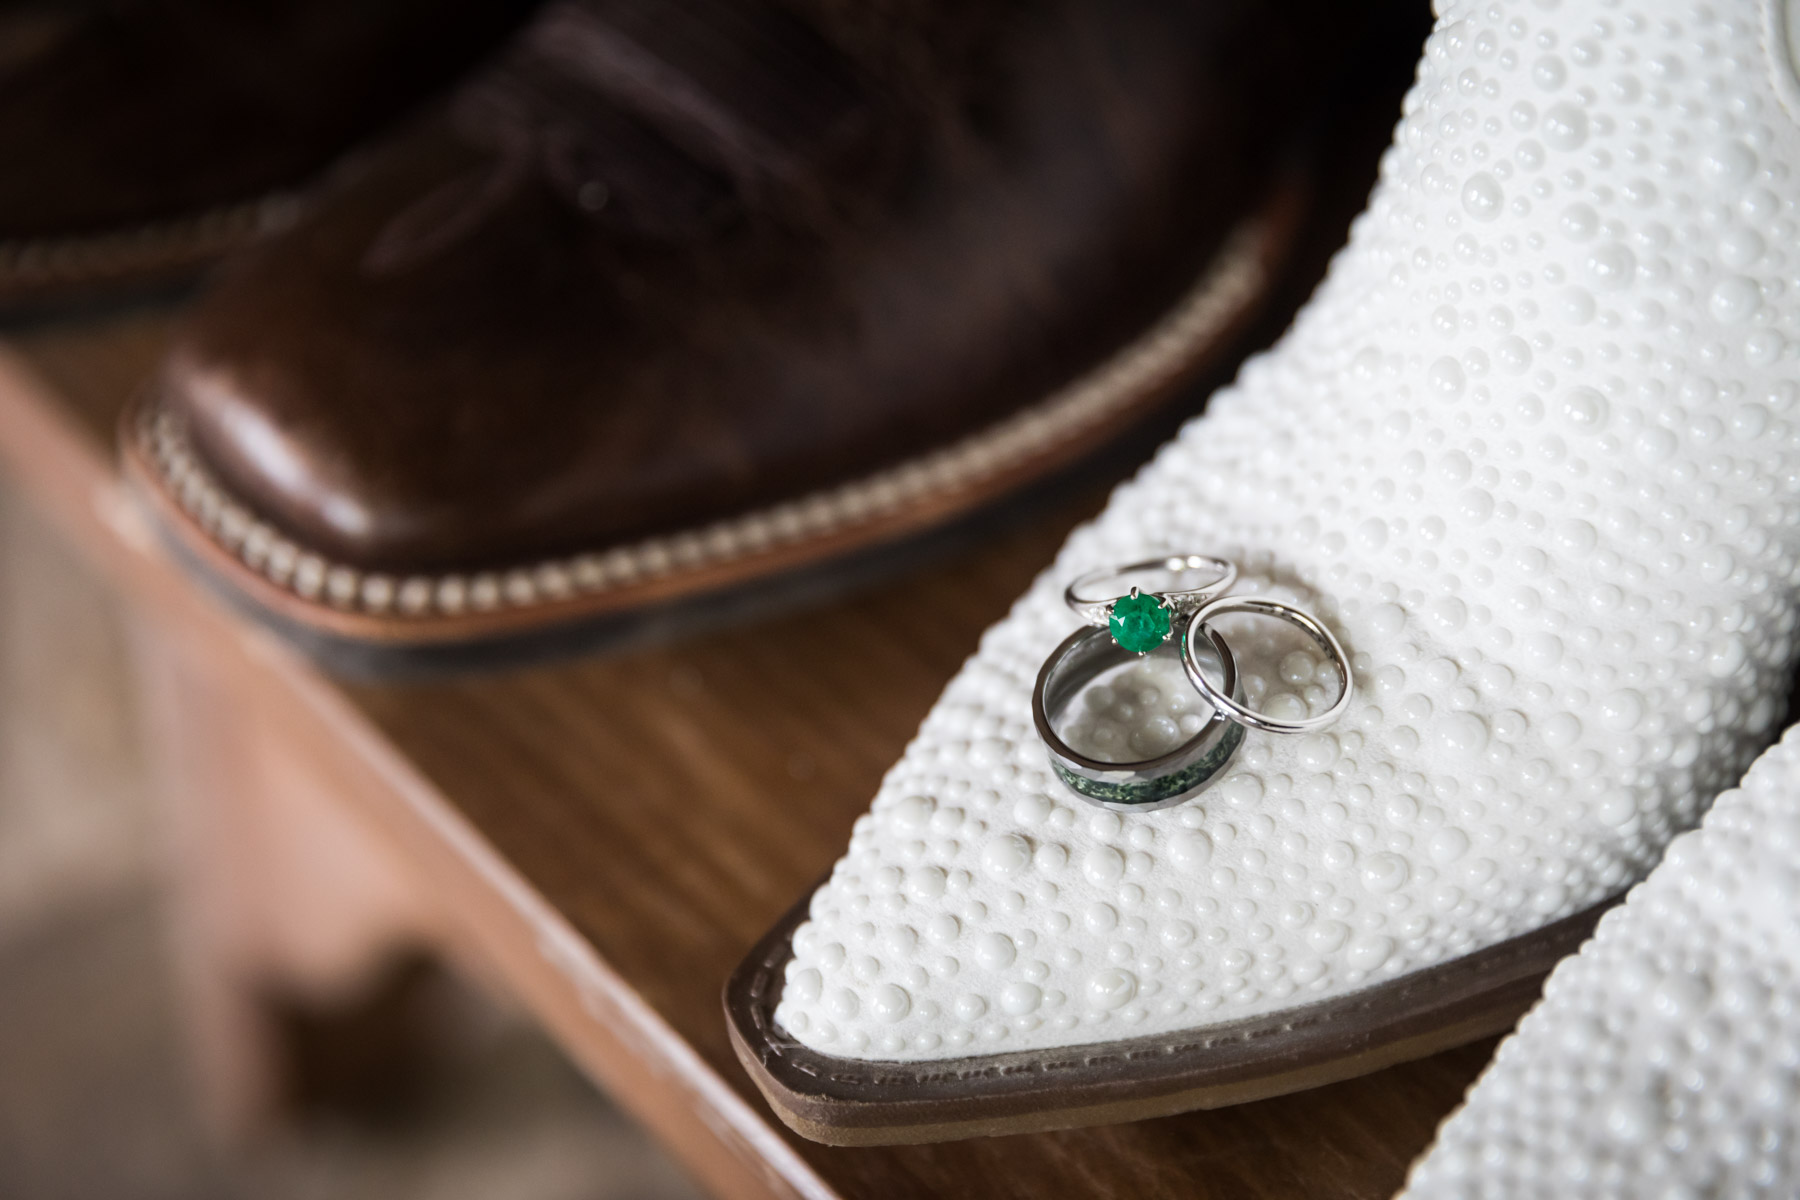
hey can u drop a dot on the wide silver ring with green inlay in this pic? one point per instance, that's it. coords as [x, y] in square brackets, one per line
[1161, 593]
[1144, 785]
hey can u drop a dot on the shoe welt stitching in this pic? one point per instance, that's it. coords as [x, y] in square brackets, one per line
[1236, 273]
[38, 262]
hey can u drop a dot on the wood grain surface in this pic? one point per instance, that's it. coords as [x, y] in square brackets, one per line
[663, 805]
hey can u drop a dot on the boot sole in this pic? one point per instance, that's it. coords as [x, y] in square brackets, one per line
[856, 1102]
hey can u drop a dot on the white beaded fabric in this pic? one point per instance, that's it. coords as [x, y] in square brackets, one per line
[1664, 1059]
[1533, 451]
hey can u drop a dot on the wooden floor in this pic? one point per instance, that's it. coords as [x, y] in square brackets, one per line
[605, 838]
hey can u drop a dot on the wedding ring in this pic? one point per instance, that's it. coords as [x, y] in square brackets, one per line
[1093, 594]
[1150, 783]
[1223, 700]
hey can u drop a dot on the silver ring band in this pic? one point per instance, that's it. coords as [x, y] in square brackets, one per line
[1224, 701]
[1130, 786]
[1092, 594]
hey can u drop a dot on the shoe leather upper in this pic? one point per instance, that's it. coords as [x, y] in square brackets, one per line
[154, 109]
[666, 262]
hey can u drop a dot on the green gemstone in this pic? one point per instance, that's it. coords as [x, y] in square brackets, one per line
[1139, 623]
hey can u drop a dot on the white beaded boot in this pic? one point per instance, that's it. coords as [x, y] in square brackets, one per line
[1664, 1060]
[1531, 451]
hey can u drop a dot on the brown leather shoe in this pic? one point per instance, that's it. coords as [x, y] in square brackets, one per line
[142, 138]
[682, 295]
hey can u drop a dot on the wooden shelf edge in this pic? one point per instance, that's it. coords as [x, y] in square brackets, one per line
[599, 1019]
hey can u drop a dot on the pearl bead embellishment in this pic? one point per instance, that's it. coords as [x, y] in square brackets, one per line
[1533, 452]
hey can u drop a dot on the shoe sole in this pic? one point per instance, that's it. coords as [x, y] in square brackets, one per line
[855, 1102]
[381, 624]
